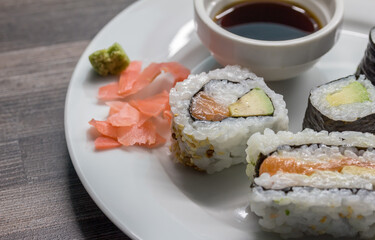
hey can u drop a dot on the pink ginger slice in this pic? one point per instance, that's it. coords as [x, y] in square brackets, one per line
[129, 77]
[153, 105]
[109, 92]
[104, 128]
[144, 134]
[179, 72]
[126, 116]
[103, 143]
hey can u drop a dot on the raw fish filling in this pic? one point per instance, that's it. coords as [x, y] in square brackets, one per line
[220, 99]
[206, 108]
[273, 164]
[318, 166]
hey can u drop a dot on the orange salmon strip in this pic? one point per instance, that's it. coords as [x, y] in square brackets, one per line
[273, 164]
[205, 108]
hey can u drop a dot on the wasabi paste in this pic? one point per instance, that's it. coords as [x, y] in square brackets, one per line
[109, 61]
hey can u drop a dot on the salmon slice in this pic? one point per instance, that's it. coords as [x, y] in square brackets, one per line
[140, 135]
[127, 116]
[129, 77]
[179, 72]
[103, 143]
[104, 128]
[109, 92]
[152, 106]
[204, 107]
[274, 164]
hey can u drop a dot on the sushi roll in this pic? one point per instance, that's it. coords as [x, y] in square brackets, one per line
[313, 183]
[367, 65]
[346, 104]
[215, 113]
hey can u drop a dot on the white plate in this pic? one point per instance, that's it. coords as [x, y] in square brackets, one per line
[142, 191]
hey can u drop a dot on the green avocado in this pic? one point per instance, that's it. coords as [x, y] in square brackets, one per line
[354, 92]
[109, 61]
[254, 103]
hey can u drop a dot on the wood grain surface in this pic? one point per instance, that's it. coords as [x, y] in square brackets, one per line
[41, 196]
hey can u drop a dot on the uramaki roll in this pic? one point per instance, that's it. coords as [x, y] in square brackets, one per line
[215, 113]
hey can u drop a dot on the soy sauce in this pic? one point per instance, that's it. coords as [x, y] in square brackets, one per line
[268, 20]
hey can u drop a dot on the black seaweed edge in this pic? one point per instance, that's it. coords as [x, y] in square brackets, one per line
[367, 64]
[317, 121]
[291, 189]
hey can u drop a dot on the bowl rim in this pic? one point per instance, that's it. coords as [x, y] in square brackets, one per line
[335, 21]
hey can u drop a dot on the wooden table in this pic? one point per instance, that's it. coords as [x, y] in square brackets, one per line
[41, 196]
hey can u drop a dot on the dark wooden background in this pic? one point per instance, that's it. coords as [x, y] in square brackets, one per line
[41, 196]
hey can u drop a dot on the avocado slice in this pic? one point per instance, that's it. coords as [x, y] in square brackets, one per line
[254, 103]
[354, 92]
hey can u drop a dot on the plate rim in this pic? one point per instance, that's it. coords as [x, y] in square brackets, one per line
[88, 187]
[72, 154]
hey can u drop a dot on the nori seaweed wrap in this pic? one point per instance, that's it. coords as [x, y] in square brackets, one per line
[346, 104]
[367, 65]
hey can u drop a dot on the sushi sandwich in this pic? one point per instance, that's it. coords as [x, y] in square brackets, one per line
[313, 182]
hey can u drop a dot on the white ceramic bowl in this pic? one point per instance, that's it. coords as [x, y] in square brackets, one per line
[273, 60]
